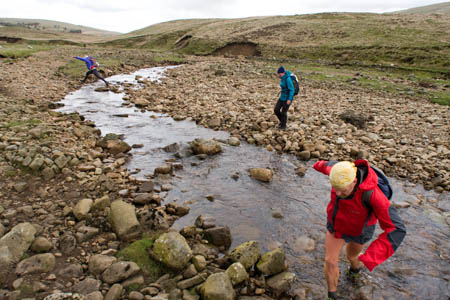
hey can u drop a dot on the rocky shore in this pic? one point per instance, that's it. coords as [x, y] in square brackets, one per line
[406, 138]
[74, 224]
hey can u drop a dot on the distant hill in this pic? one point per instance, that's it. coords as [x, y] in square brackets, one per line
[53, 26]
[440, 8]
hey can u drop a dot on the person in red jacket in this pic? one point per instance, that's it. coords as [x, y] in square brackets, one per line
[351, 221]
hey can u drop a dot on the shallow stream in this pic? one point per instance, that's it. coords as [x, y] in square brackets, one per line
[420, 269]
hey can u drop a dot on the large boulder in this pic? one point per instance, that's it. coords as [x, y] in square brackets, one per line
[41, 263]
[247, 254]
[123, 220]
[218, 287]
[172, 250]
[120, 271]
[99, 263]
[18, 240]
[208, 147]
[272, 262]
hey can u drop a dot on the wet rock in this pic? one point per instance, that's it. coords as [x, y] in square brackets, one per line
[82, 209]
[120, 271]
[172, 250]
[41, 263]
[177, 209]
[272, 262]
[247, 254]
[281, 283]
[99, 263]
[301, 171]
[18, 240]
[234, 141]
[219, 236]
[116, 146]
[304, 155]
[146, 187]
[87, 286]
[208, 147]
[277, 214]
[165, 169]
[218, 287]
[142, 198]
[237, 273]
[205, 222]
[41, 245]
[261, 174]
[304, 243]
[123, 220]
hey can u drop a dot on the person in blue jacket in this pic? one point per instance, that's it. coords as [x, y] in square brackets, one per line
[92, 65]
[286, 96]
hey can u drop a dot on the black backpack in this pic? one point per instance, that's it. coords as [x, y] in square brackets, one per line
[383, 184]
[295, 83]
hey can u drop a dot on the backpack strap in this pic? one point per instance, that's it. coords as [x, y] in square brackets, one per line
[366, 199]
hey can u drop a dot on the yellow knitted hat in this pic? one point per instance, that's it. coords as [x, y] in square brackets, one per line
[342, 174]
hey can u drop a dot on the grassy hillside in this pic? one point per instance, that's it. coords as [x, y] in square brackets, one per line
[440, 8]
[53, 26]
[406, 40]
[395, 53]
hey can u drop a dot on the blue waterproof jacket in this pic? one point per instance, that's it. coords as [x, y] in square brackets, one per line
[88, 61]
[287, 87]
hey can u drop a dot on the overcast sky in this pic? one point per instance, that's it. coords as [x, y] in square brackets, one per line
[128, 15]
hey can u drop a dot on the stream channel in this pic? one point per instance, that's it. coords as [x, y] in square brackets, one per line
[420, 269]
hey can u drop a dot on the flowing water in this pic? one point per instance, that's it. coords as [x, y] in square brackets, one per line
[420, 268]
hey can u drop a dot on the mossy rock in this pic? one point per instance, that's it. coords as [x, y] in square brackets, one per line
[138, 253]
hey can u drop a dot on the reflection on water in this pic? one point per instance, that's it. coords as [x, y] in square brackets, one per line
[419, 270]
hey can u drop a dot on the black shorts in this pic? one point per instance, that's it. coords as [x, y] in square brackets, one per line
[365, 236]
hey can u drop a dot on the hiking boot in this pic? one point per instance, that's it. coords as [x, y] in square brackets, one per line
[354, 276]
[332, 296]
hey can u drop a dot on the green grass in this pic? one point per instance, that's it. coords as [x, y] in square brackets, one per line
[442, 98]
[17, 51]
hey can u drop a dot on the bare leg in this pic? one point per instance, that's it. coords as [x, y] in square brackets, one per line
[333, 248]
[353, 250]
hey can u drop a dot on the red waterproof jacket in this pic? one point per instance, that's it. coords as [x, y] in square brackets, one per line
[349, 216]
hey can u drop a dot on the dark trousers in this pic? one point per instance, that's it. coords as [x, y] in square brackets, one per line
[96, 73]
[281, 109]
